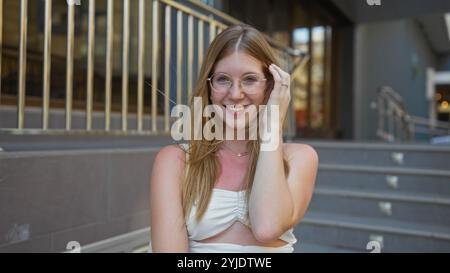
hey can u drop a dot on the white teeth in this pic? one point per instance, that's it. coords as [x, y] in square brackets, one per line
[236, 107]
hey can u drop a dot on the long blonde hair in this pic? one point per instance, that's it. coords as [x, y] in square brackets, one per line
[203, 165]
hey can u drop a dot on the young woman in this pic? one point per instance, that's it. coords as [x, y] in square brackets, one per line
[229, 195]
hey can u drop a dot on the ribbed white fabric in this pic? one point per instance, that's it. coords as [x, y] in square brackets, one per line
[225, 208]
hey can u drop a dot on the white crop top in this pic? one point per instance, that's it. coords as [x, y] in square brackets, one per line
[225, 208]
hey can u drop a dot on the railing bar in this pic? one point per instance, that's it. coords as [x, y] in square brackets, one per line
[69, 64]
[125, 62]
[215, 28]
[34, 131]
[47, 64]
[179, 54]
[393, 116]
[212, 31]
[380, 107]
[168, 47]
[200, 44]
[155, 43]
[192, 12]
[190, 55]
[231, 20]
[214, 11]
[141, 56]
[22, 63]
[90, 64]
[109, 49]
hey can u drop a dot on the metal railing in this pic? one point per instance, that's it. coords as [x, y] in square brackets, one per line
[395, 124]
[201, 18]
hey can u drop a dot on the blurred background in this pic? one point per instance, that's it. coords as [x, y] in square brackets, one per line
[87, 88]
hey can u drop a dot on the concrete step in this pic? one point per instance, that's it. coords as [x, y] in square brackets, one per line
[48, 198]
[426, 156]
[303, 247]
[352, 232]
[55, 141]
[33, 119]
[384, 204]
[365, 180]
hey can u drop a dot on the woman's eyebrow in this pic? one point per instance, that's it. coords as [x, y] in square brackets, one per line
[243, 74]
[252, 72]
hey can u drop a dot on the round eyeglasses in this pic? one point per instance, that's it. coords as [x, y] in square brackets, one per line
[250, 83]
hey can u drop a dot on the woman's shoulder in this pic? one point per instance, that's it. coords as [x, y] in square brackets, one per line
[172, 153]
[168, 166]
[305, 151]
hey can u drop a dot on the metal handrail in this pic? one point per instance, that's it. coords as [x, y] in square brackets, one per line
[200, 17]
[231, 20]
[401, 126]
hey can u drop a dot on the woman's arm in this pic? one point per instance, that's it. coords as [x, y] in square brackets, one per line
[277, 203]
[168, 228]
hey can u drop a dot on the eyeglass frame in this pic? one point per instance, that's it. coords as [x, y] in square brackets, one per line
[232, 82]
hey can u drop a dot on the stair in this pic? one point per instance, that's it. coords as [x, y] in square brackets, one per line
[359, 197]
[396, 194]
[315, 248]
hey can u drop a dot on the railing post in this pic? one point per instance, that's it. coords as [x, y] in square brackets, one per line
[200, 44]
[141, 56]
[179, 54]
[380, 114]
[22, 63]
[47, 64]
[109, 64]
[398, 126]
[69, 64]
[155, 49]
[411, 130]
[212, 29]
[190, 55]
[90, 65]
[168, 50]
[125, 62]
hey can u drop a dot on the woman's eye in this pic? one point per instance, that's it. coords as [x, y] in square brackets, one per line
[250, 79]
[223, 81]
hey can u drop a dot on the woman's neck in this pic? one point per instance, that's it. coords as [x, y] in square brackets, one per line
[238, 146]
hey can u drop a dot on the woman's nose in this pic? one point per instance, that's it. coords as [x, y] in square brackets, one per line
[236, 91]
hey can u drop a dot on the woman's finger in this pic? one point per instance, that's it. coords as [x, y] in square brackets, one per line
[282, 72]
[284, 75]
[285, 79]
[276, 75]
[276, 70]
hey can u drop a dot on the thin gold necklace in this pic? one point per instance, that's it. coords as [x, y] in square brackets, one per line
[234, 153]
